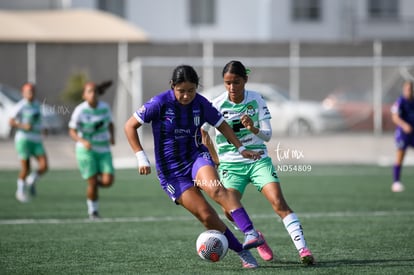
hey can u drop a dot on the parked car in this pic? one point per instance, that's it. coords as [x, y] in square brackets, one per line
[357, 110]
[9, 97]
[289, 116]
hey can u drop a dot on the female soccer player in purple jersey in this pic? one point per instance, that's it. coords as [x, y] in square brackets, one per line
[183, 163]
[403, 116]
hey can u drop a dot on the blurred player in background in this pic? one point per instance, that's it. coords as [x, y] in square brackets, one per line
[246, 112]
[92, 128]
[26, 118]
[402, 113]
[183, 163]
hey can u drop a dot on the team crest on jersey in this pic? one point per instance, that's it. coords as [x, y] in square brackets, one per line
[196, 117]
[197, 121]
[250, 110]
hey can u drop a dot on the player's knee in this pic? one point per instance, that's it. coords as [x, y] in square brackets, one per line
[218, 195]
[43, 169]
[207, 218]
[107, 182]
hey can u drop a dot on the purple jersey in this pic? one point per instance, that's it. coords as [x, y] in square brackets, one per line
[176, 130]
[405, 109]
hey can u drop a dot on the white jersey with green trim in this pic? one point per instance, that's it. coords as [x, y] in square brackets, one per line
[255, 107]
[92, 124]
[27, 112]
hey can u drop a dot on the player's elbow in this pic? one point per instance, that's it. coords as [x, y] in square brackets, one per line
[131, 125]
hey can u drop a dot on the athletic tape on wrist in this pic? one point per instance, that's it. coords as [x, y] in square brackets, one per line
[142, 158]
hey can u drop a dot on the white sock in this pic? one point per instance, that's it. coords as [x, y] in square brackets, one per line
[92, 206]
[21, 184]
[32, 178]
[294, 228]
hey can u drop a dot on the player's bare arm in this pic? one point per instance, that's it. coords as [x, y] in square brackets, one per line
[130, 128]
[402, 123]
[15, 124]
[74, 135]
[226, 130]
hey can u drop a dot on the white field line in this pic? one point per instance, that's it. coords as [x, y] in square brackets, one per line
[191, 218]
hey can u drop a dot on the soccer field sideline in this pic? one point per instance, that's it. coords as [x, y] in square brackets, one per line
[335, 148]
[190, 218]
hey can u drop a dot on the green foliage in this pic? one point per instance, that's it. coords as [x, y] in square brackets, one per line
[352, 222]
[72, 94]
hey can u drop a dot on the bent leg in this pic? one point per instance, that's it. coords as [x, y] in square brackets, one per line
[197, 205]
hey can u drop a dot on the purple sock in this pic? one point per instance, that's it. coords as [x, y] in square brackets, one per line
[241, 218]
[234, 243]
[397, 172]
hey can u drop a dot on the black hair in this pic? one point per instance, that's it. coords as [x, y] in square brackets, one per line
[235, 67]
[184, 73]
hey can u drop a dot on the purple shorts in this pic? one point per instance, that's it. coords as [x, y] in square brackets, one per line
[177, 185]
[402, 140]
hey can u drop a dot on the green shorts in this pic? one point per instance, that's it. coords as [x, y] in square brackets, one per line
[239, 175]
[26, 148]
[91, 163]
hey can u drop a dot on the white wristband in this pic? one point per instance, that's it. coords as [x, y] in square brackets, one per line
[241, 149]
[142, 159]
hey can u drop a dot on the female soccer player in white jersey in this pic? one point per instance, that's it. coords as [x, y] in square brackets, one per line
[27, 119]
[184, 165]
[92, 128]
[246, 112]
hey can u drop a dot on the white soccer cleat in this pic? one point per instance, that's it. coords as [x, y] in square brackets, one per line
[21, 197]
[397, 187]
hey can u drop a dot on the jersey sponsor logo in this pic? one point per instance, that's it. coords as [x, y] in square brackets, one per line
[246, 140]
[170, 112]
[229, 113]
[182, 131]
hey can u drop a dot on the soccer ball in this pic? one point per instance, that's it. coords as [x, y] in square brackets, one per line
[212, 245]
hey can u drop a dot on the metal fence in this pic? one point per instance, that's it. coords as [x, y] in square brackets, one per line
[360, 89]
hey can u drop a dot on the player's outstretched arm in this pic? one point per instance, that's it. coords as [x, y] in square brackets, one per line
[226, 130]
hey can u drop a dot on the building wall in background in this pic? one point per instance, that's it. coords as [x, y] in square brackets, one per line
[253, 21]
